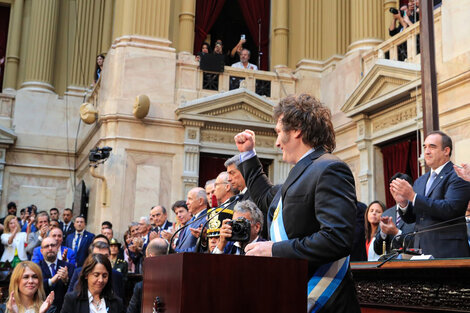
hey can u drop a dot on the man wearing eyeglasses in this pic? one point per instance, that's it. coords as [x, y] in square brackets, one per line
[56, 273]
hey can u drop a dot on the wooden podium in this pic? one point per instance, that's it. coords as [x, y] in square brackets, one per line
[193, 282]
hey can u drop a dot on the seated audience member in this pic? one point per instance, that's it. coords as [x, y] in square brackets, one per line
[56, 273]
[371, 225]
[205, 49]
[54, 214]
[99, 66]
[64, 253]
[116, 263]
[28, 299]
[11, 210]
[436, 197]
[248, 210]
[35, 238]
[13, 240]
[244, 58]
[100, 248]
[94, 292]
[393, 229]
[67, 227]
[197, 206]
[156, 247]
[80, 240]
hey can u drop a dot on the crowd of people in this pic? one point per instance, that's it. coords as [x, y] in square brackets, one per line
[312, 216]
[238, 57]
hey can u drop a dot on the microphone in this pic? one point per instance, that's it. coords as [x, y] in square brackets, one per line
[198, 244]
[169, 249]
[433, 228]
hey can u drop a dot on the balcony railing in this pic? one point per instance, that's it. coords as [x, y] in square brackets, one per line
[194, 83]
[402, 47]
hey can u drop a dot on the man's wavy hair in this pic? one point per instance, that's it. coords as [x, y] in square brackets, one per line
[307, 114]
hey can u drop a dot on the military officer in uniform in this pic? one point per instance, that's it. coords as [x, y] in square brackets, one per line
[117, 264]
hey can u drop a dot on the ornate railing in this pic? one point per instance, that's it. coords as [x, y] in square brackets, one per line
[402, 47]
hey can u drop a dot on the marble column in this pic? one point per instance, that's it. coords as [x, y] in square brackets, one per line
[280, 34]
[367, 24]
[186, 26]
[13, 48]
[41, 46]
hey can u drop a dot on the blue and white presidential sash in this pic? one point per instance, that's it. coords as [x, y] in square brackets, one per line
[327, 277]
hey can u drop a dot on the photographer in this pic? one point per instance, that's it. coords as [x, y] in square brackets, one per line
[397, 16]
[248, 210]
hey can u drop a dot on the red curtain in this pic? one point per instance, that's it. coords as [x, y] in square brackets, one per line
[413, 161]
[254, 11]
[395, 159]
[207, 12]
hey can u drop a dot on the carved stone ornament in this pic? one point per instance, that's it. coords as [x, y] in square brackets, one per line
[88, 113]
[141, 106]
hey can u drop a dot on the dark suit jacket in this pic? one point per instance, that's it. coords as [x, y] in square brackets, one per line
[398, 241]
[319, 210]
[73, 304]
[447, 199]
[59, 288]
[68, 232]
[358, 252]
[118, 285]
[85, 242]
[136, 301]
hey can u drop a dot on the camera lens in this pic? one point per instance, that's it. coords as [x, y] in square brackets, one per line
[236, 228]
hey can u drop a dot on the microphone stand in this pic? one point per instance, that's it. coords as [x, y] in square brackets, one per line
[169, 249]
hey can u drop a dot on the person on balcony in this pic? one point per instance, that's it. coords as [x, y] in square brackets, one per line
[244, 58]
[400, 17]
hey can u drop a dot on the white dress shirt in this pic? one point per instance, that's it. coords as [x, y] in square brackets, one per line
[101, 306]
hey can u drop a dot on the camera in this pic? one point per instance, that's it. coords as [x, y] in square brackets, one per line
[97, 154]
[393, 11]
[241, 229]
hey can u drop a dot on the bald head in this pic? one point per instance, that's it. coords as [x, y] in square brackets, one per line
[157, 246]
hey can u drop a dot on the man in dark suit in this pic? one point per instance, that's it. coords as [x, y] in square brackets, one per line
[244, 209]
[100, 247]
[67, 224]
[80, 240]
[436, 197]
[197, 206]
[393, 229]
[312, 215]
[69, 254]
[56, 273]
[159, 218]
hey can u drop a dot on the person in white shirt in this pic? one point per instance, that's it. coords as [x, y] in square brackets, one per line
[244, 58]
[13, 240]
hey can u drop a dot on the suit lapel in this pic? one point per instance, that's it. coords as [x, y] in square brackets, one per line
[299, 168]
[440, 177]
[46, 269]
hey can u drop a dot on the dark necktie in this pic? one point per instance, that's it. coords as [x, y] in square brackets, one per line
[77, 242]
[53, 271]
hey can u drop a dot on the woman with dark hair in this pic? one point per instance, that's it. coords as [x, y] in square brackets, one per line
[205, 49]
[371, 224]
[99, 66]
[26, 291]
[94, 292]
